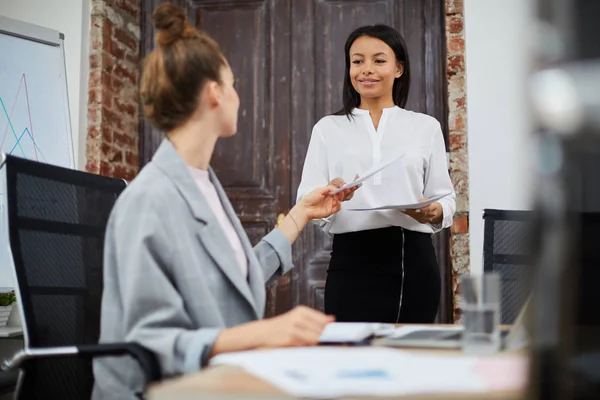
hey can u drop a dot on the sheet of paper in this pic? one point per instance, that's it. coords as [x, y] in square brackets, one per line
[405, 330]
[327, 372]
[369, 173]
[348, 332]
[412, 206]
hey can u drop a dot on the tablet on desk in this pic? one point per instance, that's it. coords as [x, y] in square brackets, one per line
[431, 337]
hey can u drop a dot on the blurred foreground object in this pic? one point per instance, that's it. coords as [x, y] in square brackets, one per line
[565, 102]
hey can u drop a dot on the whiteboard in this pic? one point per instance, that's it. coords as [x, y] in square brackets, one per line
[34, 109]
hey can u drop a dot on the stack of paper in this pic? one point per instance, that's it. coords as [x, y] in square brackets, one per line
[346, 332]
[327, 372]
[353, 332]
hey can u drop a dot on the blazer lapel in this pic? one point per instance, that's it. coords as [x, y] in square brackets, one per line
[210, 233]
[255, 273]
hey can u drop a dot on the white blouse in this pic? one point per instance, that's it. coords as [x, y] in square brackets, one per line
[342, 147]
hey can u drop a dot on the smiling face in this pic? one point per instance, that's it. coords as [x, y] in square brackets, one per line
[373, 68]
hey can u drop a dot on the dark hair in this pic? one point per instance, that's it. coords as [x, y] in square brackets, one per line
[392, 38]
[175, 72]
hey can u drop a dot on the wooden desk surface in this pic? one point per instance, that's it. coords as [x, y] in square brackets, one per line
[226, 381]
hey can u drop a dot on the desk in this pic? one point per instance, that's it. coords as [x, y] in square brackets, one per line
[231, 382]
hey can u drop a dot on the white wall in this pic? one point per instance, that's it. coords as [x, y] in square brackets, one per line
[72, 18]
[497, 63]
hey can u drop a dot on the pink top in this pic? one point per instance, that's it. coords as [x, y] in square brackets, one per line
[202, 179]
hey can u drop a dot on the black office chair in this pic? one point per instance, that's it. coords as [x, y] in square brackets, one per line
[507, 250]
[56, 220]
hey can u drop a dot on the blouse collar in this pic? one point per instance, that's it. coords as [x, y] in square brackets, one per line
[366, 112]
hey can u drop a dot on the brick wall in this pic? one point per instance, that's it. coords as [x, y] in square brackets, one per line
[457, 118]
[113, 111]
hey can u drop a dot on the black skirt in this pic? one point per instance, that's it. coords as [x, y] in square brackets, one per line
[383, 275]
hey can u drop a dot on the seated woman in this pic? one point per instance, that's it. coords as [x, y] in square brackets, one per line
[180, 275]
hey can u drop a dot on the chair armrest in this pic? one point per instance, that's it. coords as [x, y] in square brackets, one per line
[143, 356]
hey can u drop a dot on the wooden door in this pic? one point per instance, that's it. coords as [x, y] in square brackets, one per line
[288, 57]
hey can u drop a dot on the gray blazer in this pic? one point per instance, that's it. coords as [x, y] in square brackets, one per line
[171, 281]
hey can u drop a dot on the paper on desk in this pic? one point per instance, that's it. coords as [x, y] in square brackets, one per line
[412, 206]
[405, 330]
[346, 332]
[327, 372]
[350, 332]
[368, 173]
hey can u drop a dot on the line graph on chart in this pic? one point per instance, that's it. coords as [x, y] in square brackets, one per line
[18, 134]
[17, 126]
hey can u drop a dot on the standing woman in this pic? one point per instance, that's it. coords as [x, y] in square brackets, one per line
[383, 266]
[180, 275]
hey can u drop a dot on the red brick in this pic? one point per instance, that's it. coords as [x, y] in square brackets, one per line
[130, 7]
[125, 38]
[457, 141]
[106, 35]
[133, 58]
[95, 61]
[132, 158]
[95, 79]
[93, 115]
[117, 157]
[123, 172]
[111, 118]
[123, 140]
[92, 166]
[107, 134]
[454, 6]
[454, 24]
[106, 80]
[456, 64]
[94, 96]
[104, 168]
[459, 161]
[124, 73]
[456, 121]
[460, 225]
[125, 108]
[118, 51]
[456, 44]
[107, 98]
[93, 132]
[116, 84]
[106, 151]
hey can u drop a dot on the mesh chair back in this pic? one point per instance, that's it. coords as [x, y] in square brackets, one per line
[57, 219]
[508, 250]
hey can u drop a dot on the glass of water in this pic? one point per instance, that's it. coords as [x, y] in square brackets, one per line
[480, 304]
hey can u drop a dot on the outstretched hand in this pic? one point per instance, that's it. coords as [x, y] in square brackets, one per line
[320, 203]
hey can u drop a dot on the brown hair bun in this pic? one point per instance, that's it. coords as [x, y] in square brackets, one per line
[171, 24]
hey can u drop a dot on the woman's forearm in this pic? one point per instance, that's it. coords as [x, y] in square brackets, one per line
[293, 223]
